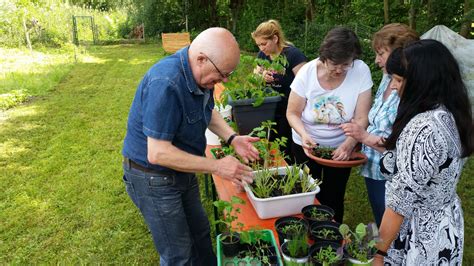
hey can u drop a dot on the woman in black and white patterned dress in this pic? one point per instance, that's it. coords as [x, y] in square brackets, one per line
[431, 139]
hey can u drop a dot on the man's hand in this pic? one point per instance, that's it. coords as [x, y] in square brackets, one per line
[231, 169]
[244, 148]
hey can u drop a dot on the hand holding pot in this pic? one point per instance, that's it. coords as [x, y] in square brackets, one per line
[231, 169]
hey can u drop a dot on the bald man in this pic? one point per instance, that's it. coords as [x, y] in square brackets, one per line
[165, 144]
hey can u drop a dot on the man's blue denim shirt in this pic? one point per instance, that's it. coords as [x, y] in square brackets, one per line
[168, 105]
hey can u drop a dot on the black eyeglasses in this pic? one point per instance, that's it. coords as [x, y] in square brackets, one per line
[224, 76]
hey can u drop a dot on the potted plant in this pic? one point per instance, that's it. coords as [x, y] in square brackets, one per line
[323, 156]
[296, 251]
[259, 246]
[252, 100]
[230, 239]
[317, 213]
[286, 190]
[269, 151]
[360, 245]
[326, 254]
[326, 231]
[290, 227]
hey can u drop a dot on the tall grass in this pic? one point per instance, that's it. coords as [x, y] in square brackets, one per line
[50, 23]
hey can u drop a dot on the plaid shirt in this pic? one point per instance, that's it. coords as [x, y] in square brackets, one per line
[381, 118]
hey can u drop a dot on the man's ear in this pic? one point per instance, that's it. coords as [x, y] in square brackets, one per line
[201, 59]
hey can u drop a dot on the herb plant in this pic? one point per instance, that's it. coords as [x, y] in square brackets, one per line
[253, 85]
[323, 152]
[360, 244]
[229, 215]
[319, 215]
[263, 184]
[328, 255]
[268, 150]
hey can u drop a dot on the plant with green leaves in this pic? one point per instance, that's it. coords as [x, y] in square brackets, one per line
[322, 152]
[268, 150]
[298, 246]
[229, 215]
[263, 184]
[328, 255]
[253, 86]
[307, 182]
[276, 66]
[256, 239]
[292, 177]
[319, 215]
[360, 244]
[328, 234]
[294, 228]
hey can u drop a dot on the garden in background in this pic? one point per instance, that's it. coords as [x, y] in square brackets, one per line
[63, 111]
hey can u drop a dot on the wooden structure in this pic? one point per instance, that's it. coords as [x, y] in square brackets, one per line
[172, 42]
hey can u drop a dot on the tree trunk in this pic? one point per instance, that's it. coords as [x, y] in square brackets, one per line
[412, 15]
[235, 8]
[466, 25]
[385, 12]
[309, 10]
[27, 34]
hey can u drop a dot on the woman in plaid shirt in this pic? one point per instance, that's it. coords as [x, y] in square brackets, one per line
[381, 115]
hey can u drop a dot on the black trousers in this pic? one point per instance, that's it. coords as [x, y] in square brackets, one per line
[334, 183]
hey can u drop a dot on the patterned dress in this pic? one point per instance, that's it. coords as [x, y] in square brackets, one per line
[422, 175]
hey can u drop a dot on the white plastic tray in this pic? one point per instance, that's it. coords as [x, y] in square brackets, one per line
[281, 205]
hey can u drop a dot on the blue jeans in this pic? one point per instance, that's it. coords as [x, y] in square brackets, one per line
[171, 206]
[376, 192]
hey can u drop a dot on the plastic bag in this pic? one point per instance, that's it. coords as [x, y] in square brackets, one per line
[462, 49]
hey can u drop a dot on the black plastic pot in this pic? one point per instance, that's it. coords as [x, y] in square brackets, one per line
[283, 221]
[329, 225]
[307, 210]
[230, 246]
[314, 249]
[248, 117]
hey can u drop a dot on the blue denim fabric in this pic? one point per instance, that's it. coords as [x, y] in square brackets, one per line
[168, 105]
[376, 192]
[174, 214]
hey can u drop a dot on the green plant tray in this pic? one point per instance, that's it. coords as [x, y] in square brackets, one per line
[247, 261]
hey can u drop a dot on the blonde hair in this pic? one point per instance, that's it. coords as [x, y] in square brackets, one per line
[393, 35]
[268, 29]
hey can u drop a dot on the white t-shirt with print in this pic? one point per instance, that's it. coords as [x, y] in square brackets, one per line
[325, 109]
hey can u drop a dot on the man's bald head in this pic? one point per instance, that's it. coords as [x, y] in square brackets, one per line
[218, 45]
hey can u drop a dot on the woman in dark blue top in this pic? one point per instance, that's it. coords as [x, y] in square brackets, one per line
[271, 41]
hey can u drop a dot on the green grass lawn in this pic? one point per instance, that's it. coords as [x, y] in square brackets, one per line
[62, 198]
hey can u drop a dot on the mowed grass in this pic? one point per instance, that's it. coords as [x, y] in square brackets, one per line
[62, 197]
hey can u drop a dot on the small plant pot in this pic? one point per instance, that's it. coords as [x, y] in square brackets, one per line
[230, 245]
[353, 261]
[315, 249]
[332, 229]
[283, 222]
[300, 259]
[317, 213]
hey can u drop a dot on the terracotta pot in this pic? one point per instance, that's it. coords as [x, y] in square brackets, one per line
[357, 158]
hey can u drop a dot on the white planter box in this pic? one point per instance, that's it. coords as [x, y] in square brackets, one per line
[281, 205]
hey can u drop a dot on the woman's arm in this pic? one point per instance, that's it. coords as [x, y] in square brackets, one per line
[296, 105]
[361, 113]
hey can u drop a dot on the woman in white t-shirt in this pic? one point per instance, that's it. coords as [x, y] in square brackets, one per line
[328, 91]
